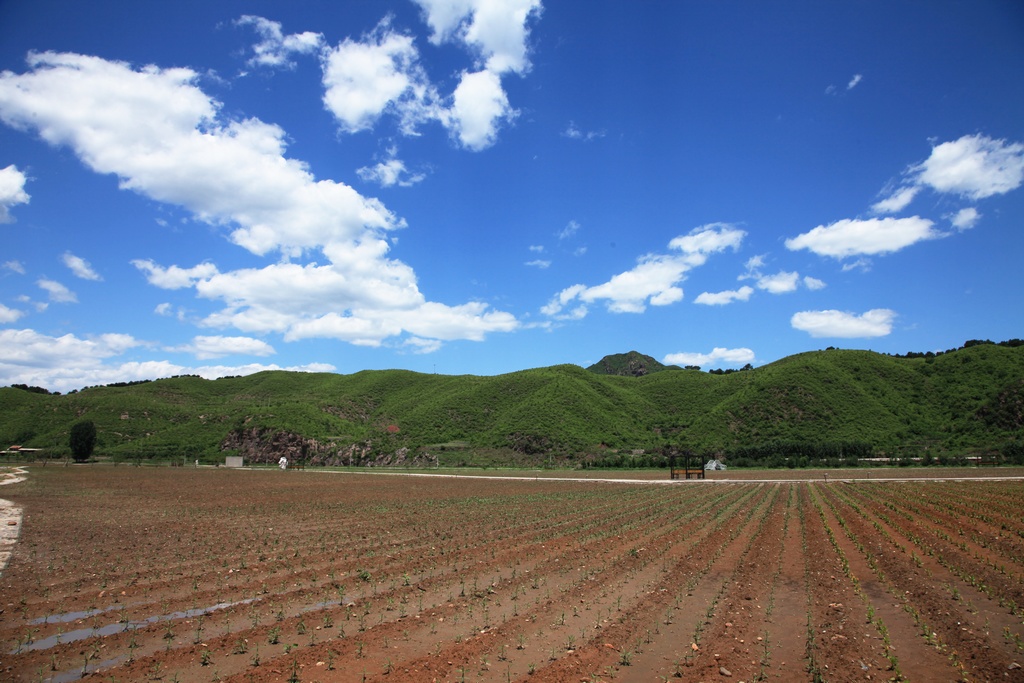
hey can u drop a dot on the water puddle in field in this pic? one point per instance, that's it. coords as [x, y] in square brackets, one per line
[68, 676]
[119, 627]
[74, 616]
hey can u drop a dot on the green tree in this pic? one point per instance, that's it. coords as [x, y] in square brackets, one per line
[83, 440]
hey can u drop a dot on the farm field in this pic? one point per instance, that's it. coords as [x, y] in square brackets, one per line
[134, 574]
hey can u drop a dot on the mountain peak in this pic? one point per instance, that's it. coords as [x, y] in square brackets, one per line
[632, 364]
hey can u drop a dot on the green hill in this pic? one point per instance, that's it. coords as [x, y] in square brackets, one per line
[833, 403]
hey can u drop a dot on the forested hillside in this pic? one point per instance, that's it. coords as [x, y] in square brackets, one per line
[833, 404]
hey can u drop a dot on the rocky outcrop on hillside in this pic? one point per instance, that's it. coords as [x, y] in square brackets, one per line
[265, 446]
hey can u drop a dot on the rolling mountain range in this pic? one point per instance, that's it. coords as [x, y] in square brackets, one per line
[963, 401]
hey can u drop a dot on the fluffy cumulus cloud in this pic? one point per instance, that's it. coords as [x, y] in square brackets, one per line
[174, 277]
[496, 30]
[9, 315]
[364, 79]
[71, 362]
[165, 139]
[206, 347]
[389, 173]
[723, 298]
[480, 107]
[718, 355]
[497, 33]
[813, 283]
[12, 191]
[80, 267]
[653, 281]
[782, 282]
[779, 283]
[276, 49]
[381, 73]
[896, 201]
[965, 219]
[844, 325]
[162, 136]
[973, 167]
[868, 237]
[57, 292]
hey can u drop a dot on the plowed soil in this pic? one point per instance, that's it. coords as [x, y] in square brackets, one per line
[135, 574]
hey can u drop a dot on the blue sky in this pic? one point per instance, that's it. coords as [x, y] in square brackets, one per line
[484, 186]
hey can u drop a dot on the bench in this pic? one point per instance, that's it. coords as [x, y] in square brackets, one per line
[689, 468]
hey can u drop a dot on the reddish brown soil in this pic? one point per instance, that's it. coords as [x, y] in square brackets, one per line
[128, 574]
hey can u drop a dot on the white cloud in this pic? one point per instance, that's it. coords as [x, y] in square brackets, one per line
[555, 307]
[654, 280]
[58, 293]
[813, 283]
[12, 191]
[361, 298]
[852, 237]
[708, 239]
[164, 138]
[753, 266]
[364, 79]
[570, 229]
[874, 323]
[390, 173]
[897, 200]
[381, 73]
[174, 277]
[780, 283]
[471, 321]
[69, 362]
[536, 248]
[975, 166]
[480, 107]
[14, 267]
[724, 298]
[497, 33]
[276, 49]
[965, 219]
[717, 355]
[9, 315]
[80, 267]
[857, 78]
[422, 346]
[574, 133]
[497, 30]
[539, 263]
[160, 134]
[206, 347]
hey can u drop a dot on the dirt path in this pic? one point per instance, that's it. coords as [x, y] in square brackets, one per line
[10, 517]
